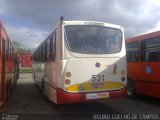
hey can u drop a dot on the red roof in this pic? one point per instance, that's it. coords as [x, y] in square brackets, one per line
[144, 37]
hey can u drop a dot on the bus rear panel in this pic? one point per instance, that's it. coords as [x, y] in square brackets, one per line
[90, 63]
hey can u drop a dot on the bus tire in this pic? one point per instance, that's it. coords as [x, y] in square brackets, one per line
[43, 89]
[131, 91]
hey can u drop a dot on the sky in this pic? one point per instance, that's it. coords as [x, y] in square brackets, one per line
[30, 21]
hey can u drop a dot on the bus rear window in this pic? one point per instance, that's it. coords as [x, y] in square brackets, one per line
[93, 39]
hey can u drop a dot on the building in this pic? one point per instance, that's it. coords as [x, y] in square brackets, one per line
[26, 60]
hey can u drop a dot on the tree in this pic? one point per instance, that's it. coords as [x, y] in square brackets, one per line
[20, 49]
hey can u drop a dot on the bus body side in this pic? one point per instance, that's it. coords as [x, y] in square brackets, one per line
[143, 63]
[76, 77]
[7, 66]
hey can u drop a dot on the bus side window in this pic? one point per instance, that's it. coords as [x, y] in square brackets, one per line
[12, 52]
[7, 50]
[132, 52]
[48, 50]
[43, 52]
[39, 57]
[10, 47]
[45, 56]
[151, 50]
[0, 46]
[143, 51]
[53, 47]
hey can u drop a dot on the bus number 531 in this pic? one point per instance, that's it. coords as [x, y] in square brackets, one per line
[97, 78]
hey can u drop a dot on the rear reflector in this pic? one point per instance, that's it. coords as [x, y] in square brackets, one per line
[115, 69]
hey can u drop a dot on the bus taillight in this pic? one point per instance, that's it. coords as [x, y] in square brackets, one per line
[123, 78]
[68, 74]
[67, 81]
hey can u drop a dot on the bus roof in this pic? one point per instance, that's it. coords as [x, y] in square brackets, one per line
[94, 23]
[144, 37]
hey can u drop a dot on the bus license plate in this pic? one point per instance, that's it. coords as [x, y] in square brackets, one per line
[98, 85]
[90, 96]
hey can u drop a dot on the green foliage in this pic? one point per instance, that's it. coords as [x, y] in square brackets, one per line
[19, 48]
[25, 70]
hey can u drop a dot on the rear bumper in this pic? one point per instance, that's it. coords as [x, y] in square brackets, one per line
[64, 97]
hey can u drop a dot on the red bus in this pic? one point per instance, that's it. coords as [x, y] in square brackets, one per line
[9, 66]
[143, 57]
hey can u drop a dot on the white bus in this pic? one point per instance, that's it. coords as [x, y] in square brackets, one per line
[81, 61]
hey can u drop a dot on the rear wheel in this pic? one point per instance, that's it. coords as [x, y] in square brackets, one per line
[131, 91]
